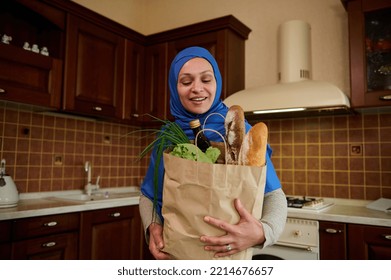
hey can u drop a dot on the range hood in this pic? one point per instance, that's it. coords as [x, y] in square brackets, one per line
[296, 94]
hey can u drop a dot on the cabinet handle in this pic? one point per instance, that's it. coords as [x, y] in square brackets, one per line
[97, 108]
[115, 215]
[387, 236]
[135, 115]
[332, 230]
[50, 224]
[49, 244]
[2, 90]
[385, 97]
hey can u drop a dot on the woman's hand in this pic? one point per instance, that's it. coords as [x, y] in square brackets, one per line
[156, 243]
[246, 233]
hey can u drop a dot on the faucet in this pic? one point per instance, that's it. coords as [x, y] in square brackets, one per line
[89, 187]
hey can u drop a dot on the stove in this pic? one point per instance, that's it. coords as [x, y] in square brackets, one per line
[307, 203]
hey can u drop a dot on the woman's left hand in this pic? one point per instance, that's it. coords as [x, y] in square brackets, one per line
[246, 233]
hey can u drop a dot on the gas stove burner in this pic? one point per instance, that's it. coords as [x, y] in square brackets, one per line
[300, 202]
[307, 203]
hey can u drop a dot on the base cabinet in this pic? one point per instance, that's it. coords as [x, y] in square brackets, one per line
[369, 242]
[111, 234]
[332, 238]
[53, 237]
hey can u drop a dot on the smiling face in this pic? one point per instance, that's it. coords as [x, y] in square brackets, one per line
[196, 85]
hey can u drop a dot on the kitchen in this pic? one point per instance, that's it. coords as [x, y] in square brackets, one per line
[313, 156]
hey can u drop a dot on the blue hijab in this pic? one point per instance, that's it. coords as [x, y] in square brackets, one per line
[183, 117]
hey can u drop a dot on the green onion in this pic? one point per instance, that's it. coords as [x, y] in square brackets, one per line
[169, 135]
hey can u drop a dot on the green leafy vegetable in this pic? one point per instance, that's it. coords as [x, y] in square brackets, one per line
[192, 152]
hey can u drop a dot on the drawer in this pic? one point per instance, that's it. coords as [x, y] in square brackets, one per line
[44, 225]
[63, 246]
[5, 231]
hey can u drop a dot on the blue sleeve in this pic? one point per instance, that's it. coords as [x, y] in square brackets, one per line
[147, 186]
[272, 180]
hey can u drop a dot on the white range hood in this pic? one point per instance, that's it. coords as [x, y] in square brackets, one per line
[296, 91]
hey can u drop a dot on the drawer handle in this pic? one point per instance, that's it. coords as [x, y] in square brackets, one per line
[332, 230]
[135, 115]
[49, 244]
[50, 224]
[2, 90]
[385, 97]
[115, 215]
[97, 108]
[387, 236]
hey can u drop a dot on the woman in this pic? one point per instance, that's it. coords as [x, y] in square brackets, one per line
[195, 89]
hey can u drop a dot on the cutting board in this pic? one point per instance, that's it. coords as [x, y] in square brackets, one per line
[382, 204]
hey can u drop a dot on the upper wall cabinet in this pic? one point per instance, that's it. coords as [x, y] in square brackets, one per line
[224, 37]
[370, 52]
[94, 69]
[31, 52]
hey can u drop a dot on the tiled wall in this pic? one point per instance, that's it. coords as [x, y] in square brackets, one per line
[318, 156]
[48, 152]
[312, 155]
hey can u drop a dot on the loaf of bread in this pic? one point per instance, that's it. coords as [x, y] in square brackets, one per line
[254, 145]
[234, 133]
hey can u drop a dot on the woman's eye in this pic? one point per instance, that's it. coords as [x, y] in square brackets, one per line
[186, 83]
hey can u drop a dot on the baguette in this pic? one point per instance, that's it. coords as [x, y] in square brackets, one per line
[234, 133]
[253, 150]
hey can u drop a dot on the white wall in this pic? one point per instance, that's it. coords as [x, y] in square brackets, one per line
[327, 18]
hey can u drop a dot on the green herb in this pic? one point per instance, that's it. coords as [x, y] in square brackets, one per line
[170, 134]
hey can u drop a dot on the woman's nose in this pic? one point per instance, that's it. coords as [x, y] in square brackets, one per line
[198, 86]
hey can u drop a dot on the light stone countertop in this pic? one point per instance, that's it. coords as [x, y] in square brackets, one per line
[345, 211]
[47, 203]
[44, 203]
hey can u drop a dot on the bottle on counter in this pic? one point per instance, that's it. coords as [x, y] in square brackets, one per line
[202, 141]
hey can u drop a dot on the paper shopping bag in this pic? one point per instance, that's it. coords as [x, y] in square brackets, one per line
[193, 190]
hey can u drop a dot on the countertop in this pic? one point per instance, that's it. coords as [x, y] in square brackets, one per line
[48, 203]
[44, 203]
[345, 211]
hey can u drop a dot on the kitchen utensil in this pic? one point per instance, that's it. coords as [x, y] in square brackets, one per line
[9, 195]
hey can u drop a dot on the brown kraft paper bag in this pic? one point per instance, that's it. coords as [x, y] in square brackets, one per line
[193, 190]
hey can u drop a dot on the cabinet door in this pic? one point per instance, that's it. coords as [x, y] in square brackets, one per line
[369, 242]
[54, 247]
[5, 240]
[156, 96]
[111, 234]
[332, 237]
[228, 50]
[94, 70]
[370, 52]
[134, 82]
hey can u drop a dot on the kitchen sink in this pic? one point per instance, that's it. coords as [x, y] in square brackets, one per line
[96, 197]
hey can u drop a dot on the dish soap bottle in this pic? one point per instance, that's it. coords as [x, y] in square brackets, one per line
[202, 142]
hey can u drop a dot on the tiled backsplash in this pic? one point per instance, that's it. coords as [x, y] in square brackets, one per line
[334, 156]
[48, 152]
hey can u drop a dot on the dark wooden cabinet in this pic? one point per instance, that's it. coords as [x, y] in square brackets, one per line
[370, 52]
[94, 70]
[111, 234]
[47, 237]
[26, 76]
[224, 37]
[369, 242]
[134, 92]
[332, 238]
[102, 69]
[5, 240]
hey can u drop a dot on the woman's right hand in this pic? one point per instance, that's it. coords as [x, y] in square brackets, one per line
[156, 243]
